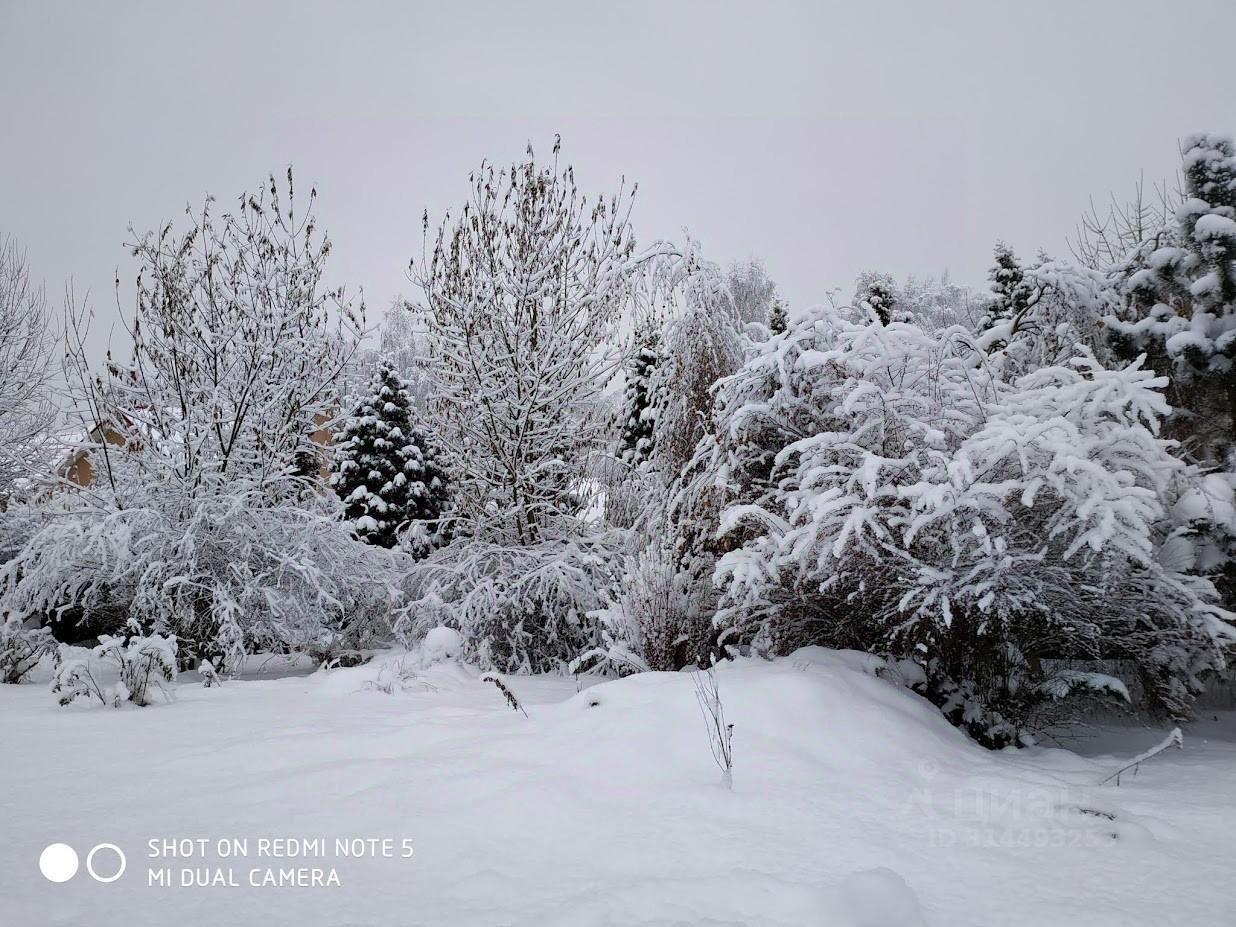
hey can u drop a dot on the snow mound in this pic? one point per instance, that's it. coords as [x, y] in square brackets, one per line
[877, 898]
[441, 643]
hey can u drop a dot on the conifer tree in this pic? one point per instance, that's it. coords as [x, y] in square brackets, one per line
[638, 409]
[777, 317]
[1008, 284]
[879, 291]
[387, 473]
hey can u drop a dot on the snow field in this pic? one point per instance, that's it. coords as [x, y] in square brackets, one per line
[854, 804]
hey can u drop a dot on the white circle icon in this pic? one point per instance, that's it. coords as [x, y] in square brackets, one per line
[58, 862]
[90, 863]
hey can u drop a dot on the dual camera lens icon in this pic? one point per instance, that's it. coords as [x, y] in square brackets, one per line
[59, 862]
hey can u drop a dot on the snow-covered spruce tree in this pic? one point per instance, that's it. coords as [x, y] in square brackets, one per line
[520, 291]
[889, 494]
[879, 292]
[386, 470]
[400, 341]
[200, 521]
[1178, 285]
[1008, 284]
[778, 317]
[1181, 299]
[638, 412]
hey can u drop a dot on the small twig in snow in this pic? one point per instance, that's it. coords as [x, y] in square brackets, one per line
[1174, 739]
[510, 696]
[720, 734]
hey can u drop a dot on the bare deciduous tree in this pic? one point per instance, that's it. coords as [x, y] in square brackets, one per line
[520, 291]
[27, 347]
[207, 518]
[1104, 240]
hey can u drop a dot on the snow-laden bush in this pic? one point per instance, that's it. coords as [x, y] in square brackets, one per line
[210, 676]
[398, 675]
[21, 649]
[1042, 313]
[143, 665]
[230, 576]
[887, 491]
[519, 609]
[440, 644]
[663, 617]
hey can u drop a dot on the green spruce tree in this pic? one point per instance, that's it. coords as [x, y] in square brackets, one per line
[387, 472]
[778, 320]
[1009, 289]
[638, 410]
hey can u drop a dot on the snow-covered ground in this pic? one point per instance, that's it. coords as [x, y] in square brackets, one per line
[854, 803]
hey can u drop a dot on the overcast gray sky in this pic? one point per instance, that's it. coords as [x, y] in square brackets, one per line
[825, 138]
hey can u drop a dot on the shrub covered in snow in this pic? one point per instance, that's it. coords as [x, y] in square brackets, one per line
[890, 489]
[663, 617]
[21, 649]
[230, 576]
[142, 664]
[518, 608]
[210, 676]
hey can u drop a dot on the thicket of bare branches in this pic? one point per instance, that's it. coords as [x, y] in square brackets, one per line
[27, 366]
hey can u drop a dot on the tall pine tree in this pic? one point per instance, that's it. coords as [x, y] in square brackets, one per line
[388, 474]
